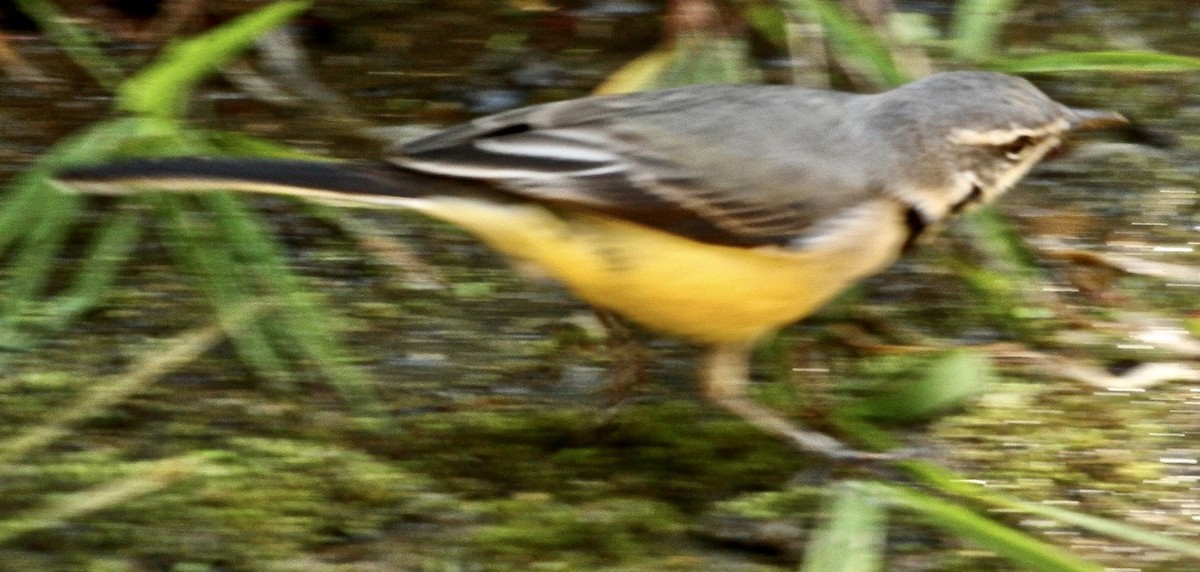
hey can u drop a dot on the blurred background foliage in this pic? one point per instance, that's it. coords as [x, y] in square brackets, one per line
[209, 383]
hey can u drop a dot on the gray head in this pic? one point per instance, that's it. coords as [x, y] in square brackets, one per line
[974, 134]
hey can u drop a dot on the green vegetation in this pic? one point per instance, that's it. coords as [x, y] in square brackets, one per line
[114, 459]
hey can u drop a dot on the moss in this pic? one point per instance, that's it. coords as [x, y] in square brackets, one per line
[681, 454]
[772, 504]
[258, 501]
[539, 531]
[27, 396]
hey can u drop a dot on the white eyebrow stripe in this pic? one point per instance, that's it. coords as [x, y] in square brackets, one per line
[1002, 136]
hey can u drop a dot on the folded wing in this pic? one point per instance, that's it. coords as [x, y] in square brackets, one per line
[688, 161]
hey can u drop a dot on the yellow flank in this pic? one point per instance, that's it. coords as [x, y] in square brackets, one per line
[704, 292]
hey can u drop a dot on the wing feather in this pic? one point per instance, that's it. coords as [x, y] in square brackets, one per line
[684, 160]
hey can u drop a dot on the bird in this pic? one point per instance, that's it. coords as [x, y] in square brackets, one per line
[717, 214]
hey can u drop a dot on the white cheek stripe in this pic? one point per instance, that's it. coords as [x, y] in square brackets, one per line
[964, 184]
[935, 205]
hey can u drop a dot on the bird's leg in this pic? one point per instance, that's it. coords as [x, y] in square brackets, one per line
[726, 375]
[628, 358]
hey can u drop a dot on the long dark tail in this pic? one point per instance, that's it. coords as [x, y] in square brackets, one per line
[346, 183]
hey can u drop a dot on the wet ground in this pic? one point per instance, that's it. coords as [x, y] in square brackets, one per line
[497, 453]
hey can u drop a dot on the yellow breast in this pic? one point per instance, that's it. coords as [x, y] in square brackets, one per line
[703, 292]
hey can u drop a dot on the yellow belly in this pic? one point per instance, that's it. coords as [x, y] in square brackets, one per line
[703, 292]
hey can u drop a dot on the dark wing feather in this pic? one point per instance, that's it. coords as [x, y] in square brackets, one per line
[687, 161]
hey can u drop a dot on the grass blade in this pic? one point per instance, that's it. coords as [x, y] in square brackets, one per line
[948, 482]
[30, 271]
[688, 60]
[307, 322]
[74, 40]
[1109, 528]
[976, 26]
[861, 45]
[17, 212]
[1105, 61]
[1029, 552]
[35, 218]
[852, 537]
[163, 88]
[949, 381]
[26, 198]
[222, 281]
[106, 393]
[147, 478]
[106, 256]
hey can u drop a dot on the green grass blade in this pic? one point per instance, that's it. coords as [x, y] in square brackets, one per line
[145, 478]
[851, 539]
[105, 393]
[975, 29]
[229, 143]
[232, 258]
[769, 20]
[708, 59]
[35, 219]
[948, 482]
[1029, 552]
[215, 274]
[162, 89]
[18, 211]
[949, 381]
[22, 204]
[221, 280]
[862, 45]
[1008, 284]
[307, 322]
[74, 40]
[107, 254]
[1110, 528]
[34, 262]
[994, 234]
[1104, 61]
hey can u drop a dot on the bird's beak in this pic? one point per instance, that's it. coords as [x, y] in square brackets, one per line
[1088, 119]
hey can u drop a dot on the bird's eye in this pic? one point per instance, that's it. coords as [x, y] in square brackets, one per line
[1013, 149]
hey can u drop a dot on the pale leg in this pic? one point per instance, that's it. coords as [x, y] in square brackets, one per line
[628, 356]
[726, 375]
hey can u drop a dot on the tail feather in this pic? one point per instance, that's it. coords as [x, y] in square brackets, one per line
[343, 183]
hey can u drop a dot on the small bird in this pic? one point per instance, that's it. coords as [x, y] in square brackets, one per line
[717, 214]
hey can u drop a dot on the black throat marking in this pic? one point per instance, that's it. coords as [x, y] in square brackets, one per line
[915, 222]
[972, 198]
